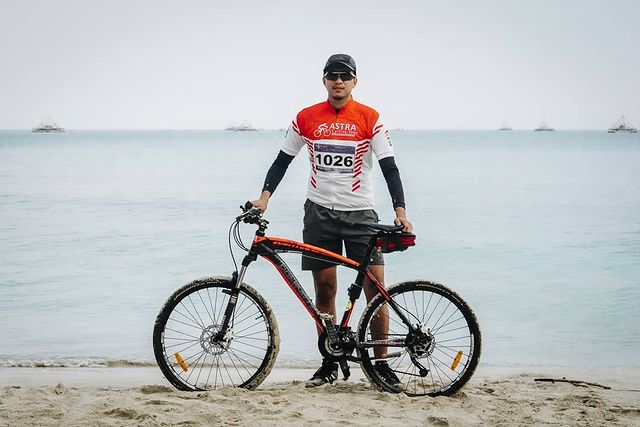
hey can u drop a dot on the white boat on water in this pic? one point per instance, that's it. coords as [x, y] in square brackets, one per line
[622, 125]
[544, 128]
[47, 125]
[242, 127]
[505, 126]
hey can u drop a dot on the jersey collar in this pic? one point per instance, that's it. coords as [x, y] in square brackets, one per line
[347, 107]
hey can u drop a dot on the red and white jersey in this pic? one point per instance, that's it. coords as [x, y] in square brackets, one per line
[341, 147]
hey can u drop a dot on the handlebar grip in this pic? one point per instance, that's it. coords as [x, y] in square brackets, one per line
[246, 207]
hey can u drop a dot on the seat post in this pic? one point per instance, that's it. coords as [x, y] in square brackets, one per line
[355, 289]
[364, 264]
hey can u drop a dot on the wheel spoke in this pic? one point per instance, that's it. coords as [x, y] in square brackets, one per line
[205, 307]
[187, 324]
[196, 310]
[190, 317]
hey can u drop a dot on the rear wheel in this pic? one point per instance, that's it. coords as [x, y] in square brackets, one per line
[438, 356]
[189, 351]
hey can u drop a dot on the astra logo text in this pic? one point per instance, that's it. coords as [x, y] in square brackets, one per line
[335, 129]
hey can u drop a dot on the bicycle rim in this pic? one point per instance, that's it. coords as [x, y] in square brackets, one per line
[189, 355]
[449, 349]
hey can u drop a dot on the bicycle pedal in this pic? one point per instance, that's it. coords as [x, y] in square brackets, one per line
[346, 371]
[326, 317]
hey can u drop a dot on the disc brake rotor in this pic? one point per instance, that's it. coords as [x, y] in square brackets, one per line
[421, 343]
[213, 346]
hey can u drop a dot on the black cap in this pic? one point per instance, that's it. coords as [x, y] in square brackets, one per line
[340, 59]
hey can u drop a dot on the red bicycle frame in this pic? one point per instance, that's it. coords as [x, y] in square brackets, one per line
[270, 247]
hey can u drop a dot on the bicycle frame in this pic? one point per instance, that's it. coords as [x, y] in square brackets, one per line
[270, 247]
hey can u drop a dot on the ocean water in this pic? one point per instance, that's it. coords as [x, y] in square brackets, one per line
[539, 232]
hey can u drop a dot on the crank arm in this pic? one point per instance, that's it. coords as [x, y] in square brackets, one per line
[373, 359]
[389, 356]
[381, 343]
[344, 367]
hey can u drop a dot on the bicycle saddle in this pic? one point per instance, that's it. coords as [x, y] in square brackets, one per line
[381, 227]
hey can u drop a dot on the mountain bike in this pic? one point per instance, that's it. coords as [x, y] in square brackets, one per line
[219, 331]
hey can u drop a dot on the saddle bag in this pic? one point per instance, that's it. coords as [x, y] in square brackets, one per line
[395, 242]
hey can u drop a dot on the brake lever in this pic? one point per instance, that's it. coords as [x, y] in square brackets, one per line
[247, 211]
[253, 212]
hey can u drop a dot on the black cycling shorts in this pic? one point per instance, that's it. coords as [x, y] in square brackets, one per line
[328, 228]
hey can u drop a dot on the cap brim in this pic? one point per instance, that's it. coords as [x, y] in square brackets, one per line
[346, 64]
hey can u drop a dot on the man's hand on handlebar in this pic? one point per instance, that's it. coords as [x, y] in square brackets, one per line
[251, 214]
[263, 202]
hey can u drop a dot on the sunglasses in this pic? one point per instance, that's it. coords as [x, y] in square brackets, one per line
[342, 75]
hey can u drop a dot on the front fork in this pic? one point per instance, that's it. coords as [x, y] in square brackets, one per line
[236, 281]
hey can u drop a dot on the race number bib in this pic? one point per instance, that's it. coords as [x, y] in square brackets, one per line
[334, 158]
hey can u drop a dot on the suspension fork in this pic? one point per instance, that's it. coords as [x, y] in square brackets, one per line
[236, 282]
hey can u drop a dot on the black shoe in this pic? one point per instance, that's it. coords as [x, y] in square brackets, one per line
[386, 373]
[327, 373]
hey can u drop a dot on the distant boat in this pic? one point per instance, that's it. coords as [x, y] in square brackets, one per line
[46, 126]
[543, 128]
[242, 127]
[622, 125]
[505, 126]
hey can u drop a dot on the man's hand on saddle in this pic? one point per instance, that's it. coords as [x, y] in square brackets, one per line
[401, 219]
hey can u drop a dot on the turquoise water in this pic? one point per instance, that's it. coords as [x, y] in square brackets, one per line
[540, 232]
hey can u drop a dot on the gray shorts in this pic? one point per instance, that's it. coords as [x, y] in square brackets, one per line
[328, 228]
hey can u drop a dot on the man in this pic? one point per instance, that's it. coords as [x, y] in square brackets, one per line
[341, 137]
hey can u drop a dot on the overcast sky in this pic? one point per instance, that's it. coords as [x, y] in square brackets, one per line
[423, 64]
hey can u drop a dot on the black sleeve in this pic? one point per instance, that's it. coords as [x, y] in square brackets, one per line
[276, 171]
[394, 183]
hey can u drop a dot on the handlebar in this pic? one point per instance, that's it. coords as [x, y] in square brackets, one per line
[250, 214]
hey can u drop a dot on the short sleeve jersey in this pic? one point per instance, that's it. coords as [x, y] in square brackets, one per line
[341, 147]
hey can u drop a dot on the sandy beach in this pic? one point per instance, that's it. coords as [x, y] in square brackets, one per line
[140, 396]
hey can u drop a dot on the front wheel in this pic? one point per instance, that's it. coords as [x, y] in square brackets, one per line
[435, 356]
[193, 356]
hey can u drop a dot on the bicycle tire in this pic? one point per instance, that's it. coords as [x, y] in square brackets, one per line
[183, 329]
[454, 330]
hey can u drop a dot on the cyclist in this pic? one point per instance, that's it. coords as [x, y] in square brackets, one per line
[342, 137]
